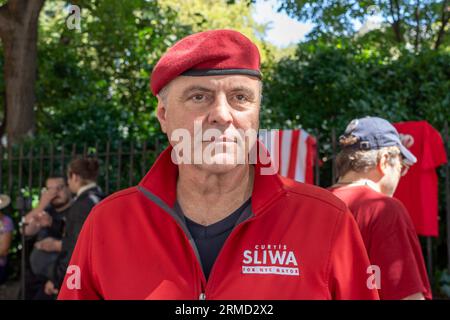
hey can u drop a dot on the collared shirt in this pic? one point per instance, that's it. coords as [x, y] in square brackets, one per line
[86, 187]
[82, 205]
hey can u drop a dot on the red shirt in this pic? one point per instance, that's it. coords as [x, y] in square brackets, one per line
[298, 242]
[390, 239]
[418, 189]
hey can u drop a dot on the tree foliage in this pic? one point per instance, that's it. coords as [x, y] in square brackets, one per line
[97, 80]
[419, 23]
[326, 86]
[94, 84]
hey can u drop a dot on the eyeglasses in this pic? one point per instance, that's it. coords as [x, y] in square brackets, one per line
[57, 188]
[405, 167]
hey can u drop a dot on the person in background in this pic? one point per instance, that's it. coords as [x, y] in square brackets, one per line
[6, 229]
[370, 165]
[81, 176]
[45, 225]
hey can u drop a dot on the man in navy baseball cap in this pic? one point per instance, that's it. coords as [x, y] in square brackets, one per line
[375, 133]
[370, 165]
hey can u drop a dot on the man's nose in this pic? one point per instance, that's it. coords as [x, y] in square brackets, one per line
[221, 112]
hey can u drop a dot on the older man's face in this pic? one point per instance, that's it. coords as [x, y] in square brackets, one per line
[227, 104]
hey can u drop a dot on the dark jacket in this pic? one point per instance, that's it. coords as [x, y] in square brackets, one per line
[76, 216]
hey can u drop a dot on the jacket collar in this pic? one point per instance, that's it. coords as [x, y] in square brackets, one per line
[161, 180]
[86, 187]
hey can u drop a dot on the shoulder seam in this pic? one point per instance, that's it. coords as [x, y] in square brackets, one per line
[116, 195]
[340, 208]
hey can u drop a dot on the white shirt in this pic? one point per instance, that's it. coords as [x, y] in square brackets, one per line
[85, 187]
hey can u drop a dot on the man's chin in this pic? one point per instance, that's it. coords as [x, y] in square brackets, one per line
[58, 204]
[219, 164]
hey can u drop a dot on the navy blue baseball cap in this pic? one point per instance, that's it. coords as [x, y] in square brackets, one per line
[376, 133]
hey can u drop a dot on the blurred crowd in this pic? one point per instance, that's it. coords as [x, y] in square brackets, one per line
[52, 227]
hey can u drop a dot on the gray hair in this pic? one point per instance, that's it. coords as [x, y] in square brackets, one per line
[164, 93]
[350, 159]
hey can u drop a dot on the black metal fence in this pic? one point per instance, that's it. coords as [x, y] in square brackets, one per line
[24, 167]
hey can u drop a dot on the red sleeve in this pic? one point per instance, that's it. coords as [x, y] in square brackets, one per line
[349, 262]
[434, 147]
[79, 282]
[395, 248]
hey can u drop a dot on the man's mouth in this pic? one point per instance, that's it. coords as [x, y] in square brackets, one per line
[222, 139]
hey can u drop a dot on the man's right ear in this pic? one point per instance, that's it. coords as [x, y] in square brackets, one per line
[383, 164]
[161, 114]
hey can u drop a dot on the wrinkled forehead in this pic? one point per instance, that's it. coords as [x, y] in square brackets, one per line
[185, 84]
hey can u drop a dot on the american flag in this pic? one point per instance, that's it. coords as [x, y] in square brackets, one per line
[293, 152]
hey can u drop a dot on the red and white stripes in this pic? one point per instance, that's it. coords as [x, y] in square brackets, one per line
[292, 151]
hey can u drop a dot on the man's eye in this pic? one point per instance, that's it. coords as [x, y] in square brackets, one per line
[241, 97]
[198, 97]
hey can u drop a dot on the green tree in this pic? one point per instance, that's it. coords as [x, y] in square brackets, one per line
[325, 86]
[224, 14]
[18, 33]
[420, 23]
[93, 84]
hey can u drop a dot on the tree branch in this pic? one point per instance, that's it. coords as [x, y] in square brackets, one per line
[32, 10]
[396, 24]
[444, 20]
[391, 9]
[417, 16]
[399, 22]
[17, 7]
[5, 23]
[11, 14]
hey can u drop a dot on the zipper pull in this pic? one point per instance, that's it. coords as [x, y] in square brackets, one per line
[202, 296]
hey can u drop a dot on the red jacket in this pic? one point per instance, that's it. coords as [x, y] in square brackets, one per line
[298, 242]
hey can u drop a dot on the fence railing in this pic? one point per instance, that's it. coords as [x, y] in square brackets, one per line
[24, 168]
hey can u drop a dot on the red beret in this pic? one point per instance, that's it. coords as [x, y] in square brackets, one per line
[208, 53]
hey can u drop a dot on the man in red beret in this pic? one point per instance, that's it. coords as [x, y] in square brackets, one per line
[207, 222]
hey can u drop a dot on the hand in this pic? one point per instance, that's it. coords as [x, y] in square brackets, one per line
[43, 219]
[47, 197]
[48, 244]
[50, 289]
[32, 222]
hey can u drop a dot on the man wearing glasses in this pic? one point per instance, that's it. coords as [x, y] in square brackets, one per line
[371, 162]
[45, 224]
